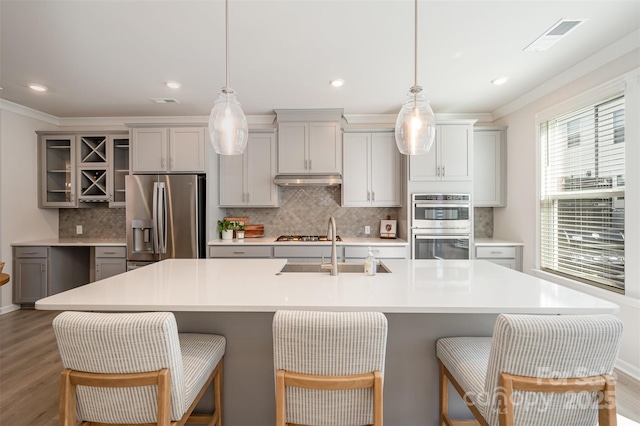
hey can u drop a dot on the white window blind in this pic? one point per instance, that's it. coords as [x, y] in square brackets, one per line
[582, 194]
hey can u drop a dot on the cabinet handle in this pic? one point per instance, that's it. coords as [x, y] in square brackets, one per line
[368, 196]
[309, 164]
[496, 252]
[42, 268]
[438, 171]
[247, 197]
[73, 198]
[238, 252]
[373, 196]
[173, 162]
[162, 163]
[305, 165]
[443, 173]
[29, 252]
[109, 252]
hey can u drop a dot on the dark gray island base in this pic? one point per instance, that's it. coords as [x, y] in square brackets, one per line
[411, 374]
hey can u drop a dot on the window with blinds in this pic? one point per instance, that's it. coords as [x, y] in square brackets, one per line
[582, 194]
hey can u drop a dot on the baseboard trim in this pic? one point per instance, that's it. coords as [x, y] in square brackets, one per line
[8, 308]
[628, 368]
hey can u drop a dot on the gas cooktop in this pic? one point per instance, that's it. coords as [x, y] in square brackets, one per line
[306, 238]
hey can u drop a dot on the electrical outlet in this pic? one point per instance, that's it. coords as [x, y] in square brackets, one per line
[367, 230]
[78, 229]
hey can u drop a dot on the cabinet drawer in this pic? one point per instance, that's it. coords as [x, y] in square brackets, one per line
[399, 252]
[111, 252]
[290, 252]
[240, 251]
[501, 252]
[31, 251]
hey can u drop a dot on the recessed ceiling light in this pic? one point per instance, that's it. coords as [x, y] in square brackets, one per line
[38, 87]
[337, 83]
[499, 81]
[173, 84]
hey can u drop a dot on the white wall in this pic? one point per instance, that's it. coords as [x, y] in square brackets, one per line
[518, 220]
[20, 217]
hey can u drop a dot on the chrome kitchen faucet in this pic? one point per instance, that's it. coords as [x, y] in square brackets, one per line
[331, 233]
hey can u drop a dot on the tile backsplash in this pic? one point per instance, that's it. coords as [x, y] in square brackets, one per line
[483, 222]
[306, 211]
[98, 221]
[303, 210]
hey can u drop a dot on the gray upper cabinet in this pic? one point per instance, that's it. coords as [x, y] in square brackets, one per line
[309, 142]
[449, 159]
[57, 165]
[82, 167]
[489, 167]
[168, 150]
[372, 172]
[247, 180]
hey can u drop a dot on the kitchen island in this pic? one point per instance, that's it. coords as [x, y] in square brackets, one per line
[422, 299]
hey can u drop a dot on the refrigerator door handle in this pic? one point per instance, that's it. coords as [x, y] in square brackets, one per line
[156, 244]
[162, 217]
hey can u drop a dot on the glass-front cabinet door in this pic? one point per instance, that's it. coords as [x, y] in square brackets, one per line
[58, 160]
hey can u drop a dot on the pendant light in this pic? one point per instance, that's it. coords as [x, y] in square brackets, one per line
[228, 130]
[416, 124]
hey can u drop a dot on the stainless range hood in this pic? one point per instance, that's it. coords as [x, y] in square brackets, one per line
[308, 180]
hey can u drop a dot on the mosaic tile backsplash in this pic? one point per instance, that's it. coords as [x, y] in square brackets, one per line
[303, 210]
[98, 221]
[306, 211]
[483, 222]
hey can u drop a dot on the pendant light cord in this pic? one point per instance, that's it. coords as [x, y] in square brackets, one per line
[226, 26]
[415, 45]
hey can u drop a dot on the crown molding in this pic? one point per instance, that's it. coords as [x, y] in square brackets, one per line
[614, 51]
[28, 112]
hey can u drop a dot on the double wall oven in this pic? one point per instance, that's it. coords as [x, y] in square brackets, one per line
[440, 226]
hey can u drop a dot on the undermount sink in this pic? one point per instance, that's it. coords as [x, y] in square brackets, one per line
[342, 268]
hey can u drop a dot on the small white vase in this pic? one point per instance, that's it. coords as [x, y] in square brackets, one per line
[227, 235]
[240, 235]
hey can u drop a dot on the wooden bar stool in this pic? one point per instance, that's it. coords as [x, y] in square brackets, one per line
[536, 370]
[134, 368]
[329, 367]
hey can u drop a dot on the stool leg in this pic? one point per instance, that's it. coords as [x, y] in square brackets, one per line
[444, 396]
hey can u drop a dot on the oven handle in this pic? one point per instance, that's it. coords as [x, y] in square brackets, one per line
[421, 205]
[440, 237]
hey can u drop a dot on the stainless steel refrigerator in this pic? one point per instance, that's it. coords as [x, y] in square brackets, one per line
[165, 218]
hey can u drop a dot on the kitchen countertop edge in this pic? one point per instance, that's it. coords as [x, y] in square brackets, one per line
[73, 242]
[346, 241]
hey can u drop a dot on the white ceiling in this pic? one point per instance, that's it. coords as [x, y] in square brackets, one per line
[107, 58]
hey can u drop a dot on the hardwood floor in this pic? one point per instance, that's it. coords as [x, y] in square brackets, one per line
[30, 368]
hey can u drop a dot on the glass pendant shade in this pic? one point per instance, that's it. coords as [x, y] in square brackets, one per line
[416, 124]
[228, 129]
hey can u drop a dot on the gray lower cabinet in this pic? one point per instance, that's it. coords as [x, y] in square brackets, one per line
[307, 253]
[41, 271]
[110, 261]
[240, 251]
[509, 256]
[29, 274]
[359, 253]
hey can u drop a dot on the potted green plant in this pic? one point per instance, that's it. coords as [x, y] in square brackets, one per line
[226, 229]
[239, 231]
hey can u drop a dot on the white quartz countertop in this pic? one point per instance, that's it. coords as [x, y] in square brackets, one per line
[254, 285]
[73, 242]
[495, 242]
[350, 241]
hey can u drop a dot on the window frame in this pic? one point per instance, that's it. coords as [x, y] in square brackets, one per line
[566, 109]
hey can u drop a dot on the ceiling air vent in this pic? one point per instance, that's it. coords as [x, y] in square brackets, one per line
[553, 34]
[165, 100]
